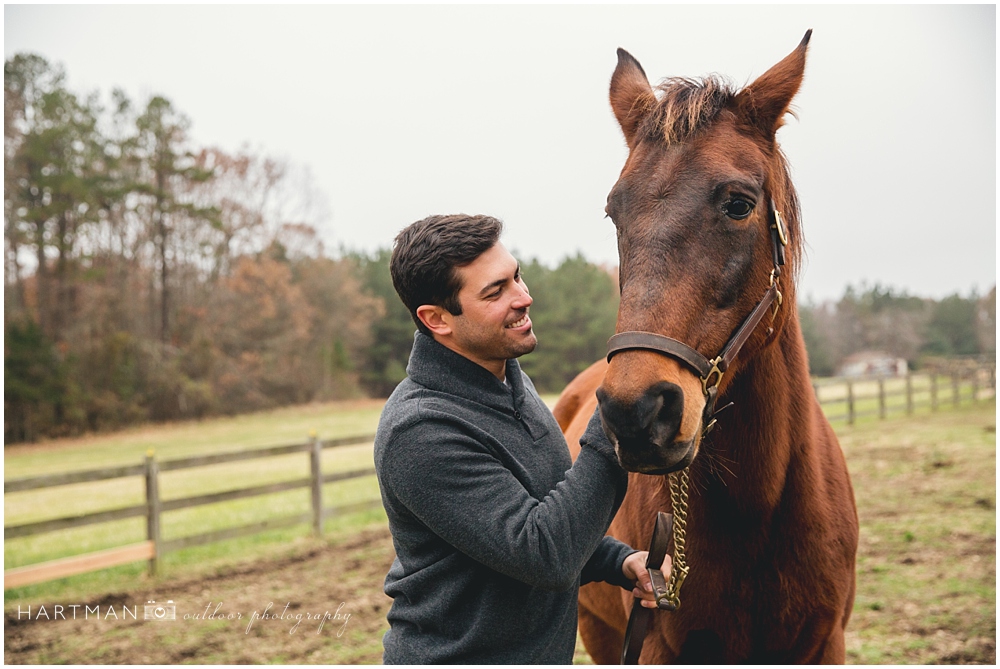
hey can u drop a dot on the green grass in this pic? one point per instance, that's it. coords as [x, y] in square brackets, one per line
[290, 425]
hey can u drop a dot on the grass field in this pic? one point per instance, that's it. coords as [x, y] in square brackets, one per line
[925, 487]
[926, 495]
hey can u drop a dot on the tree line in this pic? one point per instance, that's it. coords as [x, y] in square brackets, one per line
[149, 279]
[880, 318]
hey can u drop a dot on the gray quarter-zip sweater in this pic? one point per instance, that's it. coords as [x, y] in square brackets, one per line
[494, 527]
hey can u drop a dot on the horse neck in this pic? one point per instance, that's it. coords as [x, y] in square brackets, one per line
[765, 432]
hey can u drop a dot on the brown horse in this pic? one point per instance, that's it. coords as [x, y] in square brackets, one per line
[772, 528]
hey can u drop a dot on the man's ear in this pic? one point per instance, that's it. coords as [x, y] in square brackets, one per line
[436, 319]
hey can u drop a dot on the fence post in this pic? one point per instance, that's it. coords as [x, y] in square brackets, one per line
[153, 509]
[850, 402]
[954, 388]
[316, 474]
[975, 387]
[934, 391]
[881, 398]
[909, 394]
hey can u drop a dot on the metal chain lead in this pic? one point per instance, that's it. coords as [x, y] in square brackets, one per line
[679, 568]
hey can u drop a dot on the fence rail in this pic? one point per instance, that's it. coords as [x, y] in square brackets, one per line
[155, 547]
[78, 564]
[52, 480]
[867, 397]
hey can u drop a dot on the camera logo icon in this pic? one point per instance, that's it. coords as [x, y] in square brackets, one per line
[154, 611]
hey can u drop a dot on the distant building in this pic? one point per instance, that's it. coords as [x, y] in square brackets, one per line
[872, 363]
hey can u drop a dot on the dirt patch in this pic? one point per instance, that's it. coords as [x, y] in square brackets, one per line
[322, 606]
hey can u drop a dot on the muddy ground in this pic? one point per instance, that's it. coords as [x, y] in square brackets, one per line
[327, 607]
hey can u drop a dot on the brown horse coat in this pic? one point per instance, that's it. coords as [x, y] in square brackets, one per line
[772, 527]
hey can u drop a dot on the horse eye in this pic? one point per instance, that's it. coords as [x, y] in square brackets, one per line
[737, 209]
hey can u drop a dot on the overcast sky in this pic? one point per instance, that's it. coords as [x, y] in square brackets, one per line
[405, 111]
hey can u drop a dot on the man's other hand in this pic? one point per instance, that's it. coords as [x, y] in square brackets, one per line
[634, 569]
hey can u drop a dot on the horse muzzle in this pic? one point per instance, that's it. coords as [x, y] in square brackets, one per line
[645, 430]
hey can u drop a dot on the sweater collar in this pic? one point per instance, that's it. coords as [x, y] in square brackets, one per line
[435, 366]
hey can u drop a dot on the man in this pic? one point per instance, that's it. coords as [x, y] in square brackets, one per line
[495, 528]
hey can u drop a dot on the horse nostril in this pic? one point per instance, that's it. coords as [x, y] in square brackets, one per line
[668, 419]
[627, 420]
[654, 417]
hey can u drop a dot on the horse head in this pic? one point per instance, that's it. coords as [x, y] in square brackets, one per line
[697, 248]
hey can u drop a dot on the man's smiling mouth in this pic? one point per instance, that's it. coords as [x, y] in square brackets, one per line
[518, 323]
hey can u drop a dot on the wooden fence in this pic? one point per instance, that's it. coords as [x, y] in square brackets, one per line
[851, 399]
[155, 547]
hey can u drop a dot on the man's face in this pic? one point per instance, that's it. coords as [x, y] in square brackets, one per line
[494, 324]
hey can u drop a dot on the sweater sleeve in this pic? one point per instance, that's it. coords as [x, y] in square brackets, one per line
[606, 564]
[462, 492]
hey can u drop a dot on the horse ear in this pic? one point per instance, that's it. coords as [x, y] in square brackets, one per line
[765, 101]
[631, 95]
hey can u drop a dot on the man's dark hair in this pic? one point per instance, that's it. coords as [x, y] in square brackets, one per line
[426, 254]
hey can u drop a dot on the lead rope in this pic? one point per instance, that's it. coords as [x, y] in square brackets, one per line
[679, 568]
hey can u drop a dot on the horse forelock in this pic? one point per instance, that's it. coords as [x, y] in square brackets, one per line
[685, 105]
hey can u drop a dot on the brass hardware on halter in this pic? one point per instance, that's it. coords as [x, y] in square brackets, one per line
[779, 225]
[705, 385]
[777, 293]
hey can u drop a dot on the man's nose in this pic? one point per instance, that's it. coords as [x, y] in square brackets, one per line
[523, 299]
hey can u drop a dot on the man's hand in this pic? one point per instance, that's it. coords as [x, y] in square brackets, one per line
[634, 569]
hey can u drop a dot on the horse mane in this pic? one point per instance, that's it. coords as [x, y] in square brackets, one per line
[787, 201]
[685, 105]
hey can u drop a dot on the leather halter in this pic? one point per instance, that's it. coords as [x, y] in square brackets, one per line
[711, 371]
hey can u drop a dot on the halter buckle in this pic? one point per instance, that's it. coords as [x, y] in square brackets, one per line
[779, 225]
[705, 385]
